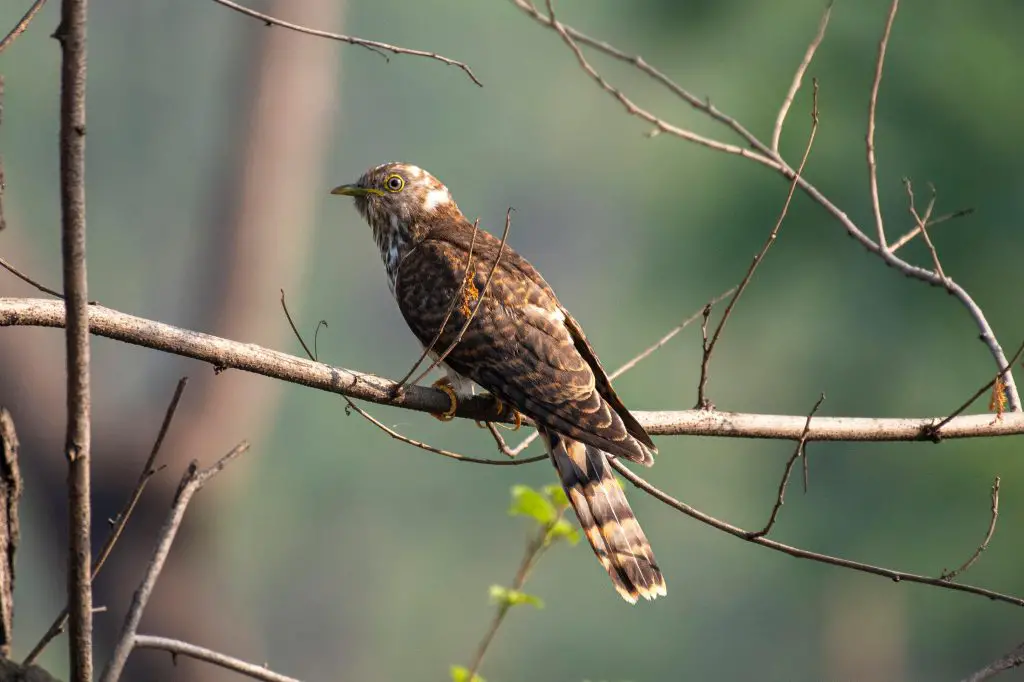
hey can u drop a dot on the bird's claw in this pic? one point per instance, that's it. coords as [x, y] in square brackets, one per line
[501, 407]
[445, 385]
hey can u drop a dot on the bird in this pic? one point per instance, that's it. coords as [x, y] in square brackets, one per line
[521, 345]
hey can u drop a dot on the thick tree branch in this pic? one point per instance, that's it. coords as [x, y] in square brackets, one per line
[71, 34]
[227, 354]
[10, 526]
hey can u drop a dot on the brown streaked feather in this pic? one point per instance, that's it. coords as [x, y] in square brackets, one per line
[606, 518]
[518, 345]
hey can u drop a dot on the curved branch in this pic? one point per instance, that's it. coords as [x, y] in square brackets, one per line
[177, 647]
[226, 354]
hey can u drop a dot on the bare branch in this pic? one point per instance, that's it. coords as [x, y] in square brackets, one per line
[20, 27]
[709, 347]
[120, 521]
[10, 526]
[987, 539]
[372, 45]
[914, 231]
[872, 106]
[177, 647]
[71, 34]
[3, 179]
[799, 451]
[1011, 660]
[922, 223]
[896, 576]
[798, 78]
[28, 280]
[224, 353]
[193, 480]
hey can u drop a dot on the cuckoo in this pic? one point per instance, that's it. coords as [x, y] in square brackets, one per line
[520, 345]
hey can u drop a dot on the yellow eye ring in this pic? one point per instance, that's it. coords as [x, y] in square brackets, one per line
[394, 183]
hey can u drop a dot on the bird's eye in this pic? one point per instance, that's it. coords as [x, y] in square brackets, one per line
[394, 183]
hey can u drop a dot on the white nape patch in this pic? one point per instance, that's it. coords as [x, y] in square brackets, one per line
[435, 198]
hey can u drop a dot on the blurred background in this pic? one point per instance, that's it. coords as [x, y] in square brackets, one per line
[333, 552]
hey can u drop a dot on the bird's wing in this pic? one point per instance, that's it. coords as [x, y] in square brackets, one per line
[520, 345]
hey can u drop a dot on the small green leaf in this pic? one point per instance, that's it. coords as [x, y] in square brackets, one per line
[563, 529]
[556, 494]
[461, 674]
[507, 597]
[528, 502]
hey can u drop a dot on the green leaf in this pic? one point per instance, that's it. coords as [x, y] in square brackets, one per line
[556, 494]
[461, 674]
[528, 502]
[503, 595]
[563, 529]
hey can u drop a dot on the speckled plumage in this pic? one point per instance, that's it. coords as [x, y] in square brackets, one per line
[521, 345]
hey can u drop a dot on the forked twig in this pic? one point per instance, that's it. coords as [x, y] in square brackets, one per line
[800, 450]
[916, 230]
[372, 45]
[922, 223]
[950, 575]
[479, 301]
[120, 521]
[709, 347]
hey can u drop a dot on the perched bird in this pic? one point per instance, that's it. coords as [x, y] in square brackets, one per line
[521, 345]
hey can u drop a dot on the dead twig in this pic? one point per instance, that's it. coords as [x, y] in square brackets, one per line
[916, 230]
[372, 45]
[799, 451]
[922, 223]
[950, 575]
[176, 647]
[149, 469]
[709, 347]
[20, 27]
[894, 575]
[876, 206]
[10, 526]
[798, 77]
[1013, 659]
[193, 481]
[28, 280]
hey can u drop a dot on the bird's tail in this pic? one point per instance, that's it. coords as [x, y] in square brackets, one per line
[606, 518]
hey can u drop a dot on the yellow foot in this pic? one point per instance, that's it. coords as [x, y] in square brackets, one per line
[501, 407]
[445, 385]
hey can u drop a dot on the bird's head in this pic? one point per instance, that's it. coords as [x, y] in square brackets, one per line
[400, 198]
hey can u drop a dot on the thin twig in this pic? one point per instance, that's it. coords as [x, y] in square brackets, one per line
[798, 78]
[3, 179]
[934, 432]
[534, 549]
[372, 45]
[20, 27]
[913, 232]
[71, 34]
[709, 347]
[120, 521]
[950, 575]
[248, 357]
[177, 647]
[456, 299]
[896, 576]
[876, 206]
[922, 223]
[799, 451]
[28, 280]
[193, 480]
[1011, 660]
[479, 301]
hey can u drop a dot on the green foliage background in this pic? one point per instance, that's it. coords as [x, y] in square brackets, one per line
[352, 556]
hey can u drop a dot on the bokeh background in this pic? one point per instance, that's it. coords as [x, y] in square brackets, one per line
[335, 553]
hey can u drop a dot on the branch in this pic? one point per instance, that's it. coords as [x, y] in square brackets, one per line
[10, 526]
[224, 354]
[372, 45]
[896, 576]
[798, 77]
[119, 522]
[876, 207]
[71, 35]
[20, 27]
[764, 155]
[987, 539]
[1011, 660]
[177, 647]
[193, 480]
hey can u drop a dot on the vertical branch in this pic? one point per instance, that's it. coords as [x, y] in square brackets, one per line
[71, 34]
[876, 206]
[10, 531]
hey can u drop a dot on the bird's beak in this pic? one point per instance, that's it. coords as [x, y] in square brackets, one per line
[356, 191]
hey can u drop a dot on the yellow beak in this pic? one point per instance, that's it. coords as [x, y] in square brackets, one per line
[356, 191]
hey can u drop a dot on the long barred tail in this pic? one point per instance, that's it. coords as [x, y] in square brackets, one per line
[606, 518]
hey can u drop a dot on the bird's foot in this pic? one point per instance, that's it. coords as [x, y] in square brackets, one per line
[445, 385]
[505, 411]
